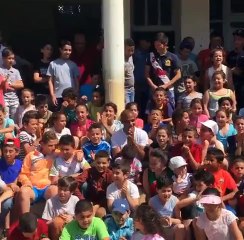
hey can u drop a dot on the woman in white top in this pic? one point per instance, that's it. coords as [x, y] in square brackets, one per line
[217, 65]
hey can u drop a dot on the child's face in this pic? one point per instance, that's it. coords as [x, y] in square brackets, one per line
[81, 113]
[65, 51]
[218, 57]
[189, 85]
[180, 171]
[221, 118]
[164, 193]
[66, 151]
[162, 137]
[60, 123]
[95, 135]
[238, 170]
[185, 120]
[197, 109]
[155, 116]
[185, 53]
[155, 164]
[26, 98]
[188, 137]
[205, 133]
[49, 147]
[139, 225]
[119, 176]
[120, 218]
[212, 163]
[47, 51]
[42, 109]
[110, 114]
[9, 61]
[2, 117]
[71, 102]
[10, 153]
[129, 51]
[160, 46]
[226, 105]
[218, 81]
[211, 208]
[97, 99]
[239, 125]
[31, 126]
[84, 218]
[200, 186]
[64, 194]
[102, 164]
[159, 97]
[135, 111]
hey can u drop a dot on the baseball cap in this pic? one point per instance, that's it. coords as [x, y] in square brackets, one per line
[239, 32]
[210, 199]
[12, 141]
[212, 125]
[120, 205]
[176, 162]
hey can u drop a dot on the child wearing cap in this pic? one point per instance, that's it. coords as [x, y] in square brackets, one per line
[182, 179]
[10, 167]
[119, 224]
[28, 227]
[216, 223]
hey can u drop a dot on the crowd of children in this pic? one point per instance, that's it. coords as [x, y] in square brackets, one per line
[173, 171]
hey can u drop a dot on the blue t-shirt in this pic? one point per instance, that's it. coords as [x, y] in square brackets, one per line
[232, 131]
[115, 232]
[90, 147]
[9, 173]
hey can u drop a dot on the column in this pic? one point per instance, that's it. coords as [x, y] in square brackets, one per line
[113, 60]
[195, 22]
[127, 18]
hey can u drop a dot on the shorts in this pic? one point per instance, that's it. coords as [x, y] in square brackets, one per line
[39, 193]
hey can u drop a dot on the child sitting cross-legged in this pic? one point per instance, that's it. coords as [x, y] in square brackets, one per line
[164, 203]
[120, 224]
[59, 210]
[85, 225]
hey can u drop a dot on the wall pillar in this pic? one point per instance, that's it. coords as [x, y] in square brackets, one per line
[113, 64]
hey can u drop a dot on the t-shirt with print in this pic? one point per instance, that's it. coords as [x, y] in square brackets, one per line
[65, 131]
[96, 231]
[63, 168]
[54, 207]
[218, 229]
[12, 76]
[65, 74]
[164, 209]
[25, 137]
[113, 192]
[129, 73]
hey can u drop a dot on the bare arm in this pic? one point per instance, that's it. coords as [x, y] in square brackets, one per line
[175, 78]
[230, 79]
[17, 85]
[149, 80]
[233, 97]
[145, 184]
[206, 82]
[236, 233]
[9, 129]
[230, 195]
[38, 79]
[205, 103]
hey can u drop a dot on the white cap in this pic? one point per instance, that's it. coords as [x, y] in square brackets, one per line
[212, 125]
[176, 162]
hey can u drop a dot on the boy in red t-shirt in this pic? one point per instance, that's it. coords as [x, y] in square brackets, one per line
[189, 149]
[28, 228]
[223, 179]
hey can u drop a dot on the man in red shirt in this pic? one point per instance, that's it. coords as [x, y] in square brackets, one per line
[28, 228]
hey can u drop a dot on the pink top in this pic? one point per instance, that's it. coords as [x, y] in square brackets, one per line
[139, 123]
[152, 237]
[1, 91]
[196, 121]
[80, 130]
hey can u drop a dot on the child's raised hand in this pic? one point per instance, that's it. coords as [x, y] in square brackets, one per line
[104, 119]
[92, 154]
[65, 104]
[185, 149]
[79, 156]
[125, 189]
[84, 99]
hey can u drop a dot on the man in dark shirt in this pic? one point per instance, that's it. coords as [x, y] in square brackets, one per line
[162, 67]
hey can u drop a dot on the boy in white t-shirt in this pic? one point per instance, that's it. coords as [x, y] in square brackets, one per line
[59, 210]
[122, 187]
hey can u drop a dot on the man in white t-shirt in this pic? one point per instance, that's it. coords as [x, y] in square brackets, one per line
[129, 135]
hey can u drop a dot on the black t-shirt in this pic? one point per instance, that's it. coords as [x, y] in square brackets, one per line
[41, 68]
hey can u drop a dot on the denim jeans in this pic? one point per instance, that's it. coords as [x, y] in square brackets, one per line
[129, 95]
[6, 206]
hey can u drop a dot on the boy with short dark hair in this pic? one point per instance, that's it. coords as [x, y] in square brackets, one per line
[95, 144]
[122, 188]
[59, 210]
[120, 224]
[86, 225]
[41, 104]
[34, 176]
[28, 139]
[10, 167]
[28, 227]
[223, 179]
[129, 71]
[93, 182]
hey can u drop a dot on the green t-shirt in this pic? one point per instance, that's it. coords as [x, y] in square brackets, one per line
[96, 231]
